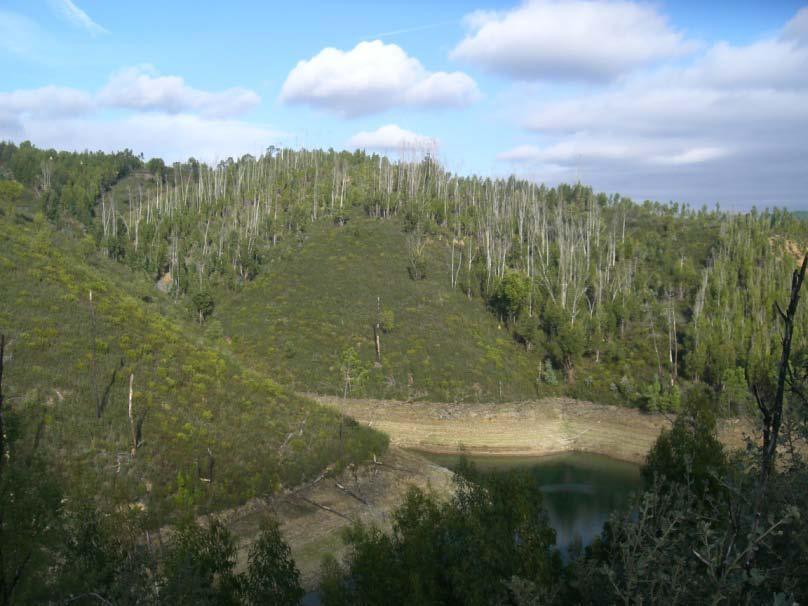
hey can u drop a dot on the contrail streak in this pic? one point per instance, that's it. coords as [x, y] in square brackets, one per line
[408, 30]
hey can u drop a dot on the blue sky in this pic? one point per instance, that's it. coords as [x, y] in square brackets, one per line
[699, 102]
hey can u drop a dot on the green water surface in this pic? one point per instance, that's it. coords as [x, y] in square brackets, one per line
[580, 489]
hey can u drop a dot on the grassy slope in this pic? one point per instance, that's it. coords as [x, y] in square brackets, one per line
[320, 298]
[195, 400]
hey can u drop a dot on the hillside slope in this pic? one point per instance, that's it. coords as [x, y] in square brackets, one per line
[299, 316]
[212, 432]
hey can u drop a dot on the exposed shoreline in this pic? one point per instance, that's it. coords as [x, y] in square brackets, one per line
[518, 429]
[312, 518]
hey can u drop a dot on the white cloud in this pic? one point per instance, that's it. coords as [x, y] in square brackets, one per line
[141, 88]
[732, 125]
[695, 155]
[569, 40]
[392, 138]
[659, 112]
[172, 137]
[162, 116]
[371, 78]
[40, 103]
[776, 63]
[46, 101]
[584, 149]
[73, 14]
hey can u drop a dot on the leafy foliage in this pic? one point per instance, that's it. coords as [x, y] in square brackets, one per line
[690, 451]
[272, 577]
[460, 552]
[197, 409]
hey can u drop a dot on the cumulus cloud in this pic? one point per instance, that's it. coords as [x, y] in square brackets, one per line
[569, 40]
[391, 137]
[40, 103]
[74, 15]
[170, 136]
[373, 77]
[774, 63]
[163, 116]
[141, 88]
[47, 101]
[732, 125]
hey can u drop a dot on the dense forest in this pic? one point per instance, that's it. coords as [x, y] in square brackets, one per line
[159, 322]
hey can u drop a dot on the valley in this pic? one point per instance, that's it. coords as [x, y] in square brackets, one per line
[214, 365]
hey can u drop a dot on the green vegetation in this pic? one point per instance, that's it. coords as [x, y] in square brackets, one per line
[294, 250]
[211, 432]
[159, 321]
[320, 297]
[464, 551]
[695, 535]
[66, 183]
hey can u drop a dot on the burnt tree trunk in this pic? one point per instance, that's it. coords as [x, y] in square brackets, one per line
[772, 412]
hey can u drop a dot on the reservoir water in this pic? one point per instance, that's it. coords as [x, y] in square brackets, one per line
[580, 490]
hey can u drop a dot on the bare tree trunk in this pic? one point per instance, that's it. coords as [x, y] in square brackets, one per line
[377, 329]
[132, 424]
[773, 412]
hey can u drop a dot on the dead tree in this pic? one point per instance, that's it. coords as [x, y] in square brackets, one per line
[673, 343]
[377, 329]
[132, 424]
[772, 411]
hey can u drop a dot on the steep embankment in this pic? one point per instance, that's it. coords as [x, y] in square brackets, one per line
[320, 297]
[211, 433]
[533, 428]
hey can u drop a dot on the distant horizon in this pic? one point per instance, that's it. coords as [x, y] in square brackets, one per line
[700, 103]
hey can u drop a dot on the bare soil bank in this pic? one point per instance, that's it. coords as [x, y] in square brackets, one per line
[312, 518]
[533, 428]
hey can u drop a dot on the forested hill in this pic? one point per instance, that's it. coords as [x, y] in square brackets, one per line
[477, 288]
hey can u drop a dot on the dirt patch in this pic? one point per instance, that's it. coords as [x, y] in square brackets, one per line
[533, 428]
[312, 519]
